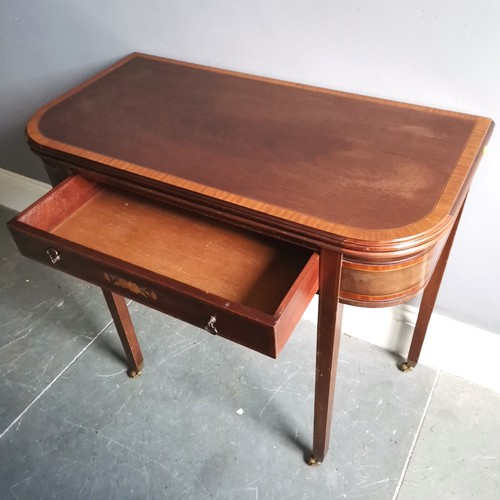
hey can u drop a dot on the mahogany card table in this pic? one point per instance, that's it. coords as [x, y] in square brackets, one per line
[229, 200]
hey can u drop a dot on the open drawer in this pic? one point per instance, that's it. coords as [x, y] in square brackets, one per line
[243, 286]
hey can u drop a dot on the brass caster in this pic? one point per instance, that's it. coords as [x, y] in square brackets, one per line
[407, 366]
[312, 461]
[133, 373]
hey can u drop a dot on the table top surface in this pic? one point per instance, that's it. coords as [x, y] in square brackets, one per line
[341, 164]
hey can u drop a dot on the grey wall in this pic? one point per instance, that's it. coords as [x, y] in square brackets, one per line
[443, 53]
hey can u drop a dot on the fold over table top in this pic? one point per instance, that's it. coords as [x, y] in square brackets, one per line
[352, 167]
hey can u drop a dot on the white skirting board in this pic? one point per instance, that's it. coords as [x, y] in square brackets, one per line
[451, 346]
[18, 192]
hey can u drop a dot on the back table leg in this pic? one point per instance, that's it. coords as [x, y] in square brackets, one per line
[123, 323]
[327, 351]
[428, 301]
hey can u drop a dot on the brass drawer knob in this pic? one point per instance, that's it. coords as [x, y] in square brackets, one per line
[54, 255]
[210, 326]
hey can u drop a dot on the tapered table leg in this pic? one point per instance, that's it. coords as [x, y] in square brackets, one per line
[327, 351]
[428, 301]
[121, 317]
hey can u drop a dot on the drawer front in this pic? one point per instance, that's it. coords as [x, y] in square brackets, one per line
[180, 301]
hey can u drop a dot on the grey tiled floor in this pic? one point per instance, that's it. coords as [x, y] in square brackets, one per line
[209, 419]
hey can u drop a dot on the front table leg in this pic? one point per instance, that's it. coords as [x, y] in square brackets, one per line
[327, 350]
[428, 301]
[121, 317]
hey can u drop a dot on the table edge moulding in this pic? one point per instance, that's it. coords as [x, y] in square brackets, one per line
[301, 189]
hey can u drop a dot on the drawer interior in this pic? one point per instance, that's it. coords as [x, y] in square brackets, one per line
[233, 263]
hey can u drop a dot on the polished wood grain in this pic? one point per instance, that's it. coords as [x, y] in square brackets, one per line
[378, 173]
